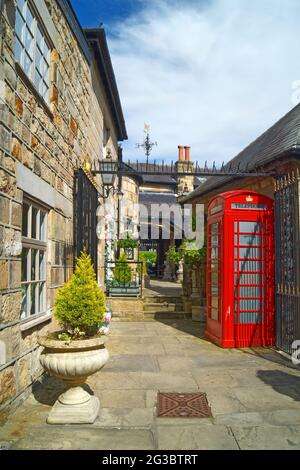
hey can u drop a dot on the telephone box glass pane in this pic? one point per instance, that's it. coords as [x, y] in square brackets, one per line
[250, 240]
[250, 317]
[214, 274]
[250, 227]
[253, 253]
[250, 266]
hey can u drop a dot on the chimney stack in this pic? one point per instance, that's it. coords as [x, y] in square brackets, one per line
[187, 154]
[180, 153]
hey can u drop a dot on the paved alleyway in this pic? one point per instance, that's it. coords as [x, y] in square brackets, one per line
[254, 396]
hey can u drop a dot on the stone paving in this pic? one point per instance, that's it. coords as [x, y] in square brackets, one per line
[254, 396]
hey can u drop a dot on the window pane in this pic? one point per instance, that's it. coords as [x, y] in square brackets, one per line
[25, 261]
[25, 298]
[47, 53]
[28, 42]
[37, 80]
[18, 52]
[250, 266]
[29, 19]
[32, 297]
[38, 59]
[33, 264]
[250, 317]
[20, 5]
[250, 291]
[25, 220]
[253, 304]
[19, 25]
[250, 252]
[44, 90]
[44, 67]
[42, 265]
[42, 291]
[39, 39]
[34, 222]
[27, 65]
[243, 279]
[253, 240]
[214, 314]
[251, 227]
[42, 225]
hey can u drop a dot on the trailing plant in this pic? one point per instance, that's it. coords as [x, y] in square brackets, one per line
[191, 256]
[127, 242]
[173, 255]
[80, 305]
[122, 271]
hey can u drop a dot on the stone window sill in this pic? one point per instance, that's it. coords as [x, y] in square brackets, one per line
[28, 324]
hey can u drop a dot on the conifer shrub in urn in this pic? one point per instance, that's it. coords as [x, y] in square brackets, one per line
[78, 350]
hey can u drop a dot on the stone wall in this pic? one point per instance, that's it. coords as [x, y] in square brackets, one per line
[40, 147]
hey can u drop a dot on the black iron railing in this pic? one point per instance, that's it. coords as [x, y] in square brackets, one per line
[287, 261]
[124, 278]
[86, 203]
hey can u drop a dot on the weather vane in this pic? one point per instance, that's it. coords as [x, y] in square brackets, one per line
[147, 145]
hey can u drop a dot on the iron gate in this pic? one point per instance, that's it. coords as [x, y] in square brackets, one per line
[287, 267]
[86, 203]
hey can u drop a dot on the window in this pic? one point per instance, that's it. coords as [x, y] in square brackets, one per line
[33, 280]
[32, 49]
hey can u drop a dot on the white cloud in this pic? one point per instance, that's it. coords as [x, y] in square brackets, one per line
[213, 74]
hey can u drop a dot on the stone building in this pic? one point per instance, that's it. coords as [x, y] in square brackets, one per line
[59, 110]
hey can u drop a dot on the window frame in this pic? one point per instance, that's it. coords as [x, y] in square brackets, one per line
[36, 27]
[39, 245]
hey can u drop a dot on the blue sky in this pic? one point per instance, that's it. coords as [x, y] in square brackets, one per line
[212, 74]
[93, 12]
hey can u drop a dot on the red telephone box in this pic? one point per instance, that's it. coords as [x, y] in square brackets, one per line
[240, 270]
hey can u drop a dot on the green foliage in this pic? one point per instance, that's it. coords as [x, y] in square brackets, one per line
[122, 271]
[173, 255]
[192, 257]
[147, 257]
[80, 305]
[127, 242]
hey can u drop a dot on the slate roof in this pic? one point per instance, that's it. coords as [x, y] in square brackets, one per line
[282, 139]
[156, 179]
[157, 198]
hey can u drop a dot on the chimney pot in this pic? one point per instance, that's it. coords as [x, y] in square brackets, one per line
[187, 153]
[180, 153]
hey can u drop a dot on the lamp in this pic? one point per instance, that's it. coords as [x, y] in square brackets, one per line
[109, 171]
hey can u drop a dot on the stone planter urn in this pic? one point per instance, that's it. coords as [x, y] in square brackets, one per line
[179, 273]
[168, 271]
[73, 363]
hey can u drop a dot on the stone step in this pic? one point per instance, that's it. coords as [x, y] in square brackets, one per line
[165, 307]
[162, 299]
[165, 315]
[128, 318]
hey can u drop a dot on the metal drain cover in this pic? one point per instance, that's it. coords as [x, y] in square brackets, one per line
[183, 405]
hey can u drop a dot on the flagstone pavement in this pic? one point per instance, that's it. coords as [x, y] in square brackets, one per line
[254, 396]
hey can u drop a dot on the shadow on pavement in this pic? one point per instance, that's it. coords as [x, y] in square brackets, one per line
[281, 382]
[186, 326]
[48, 389]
